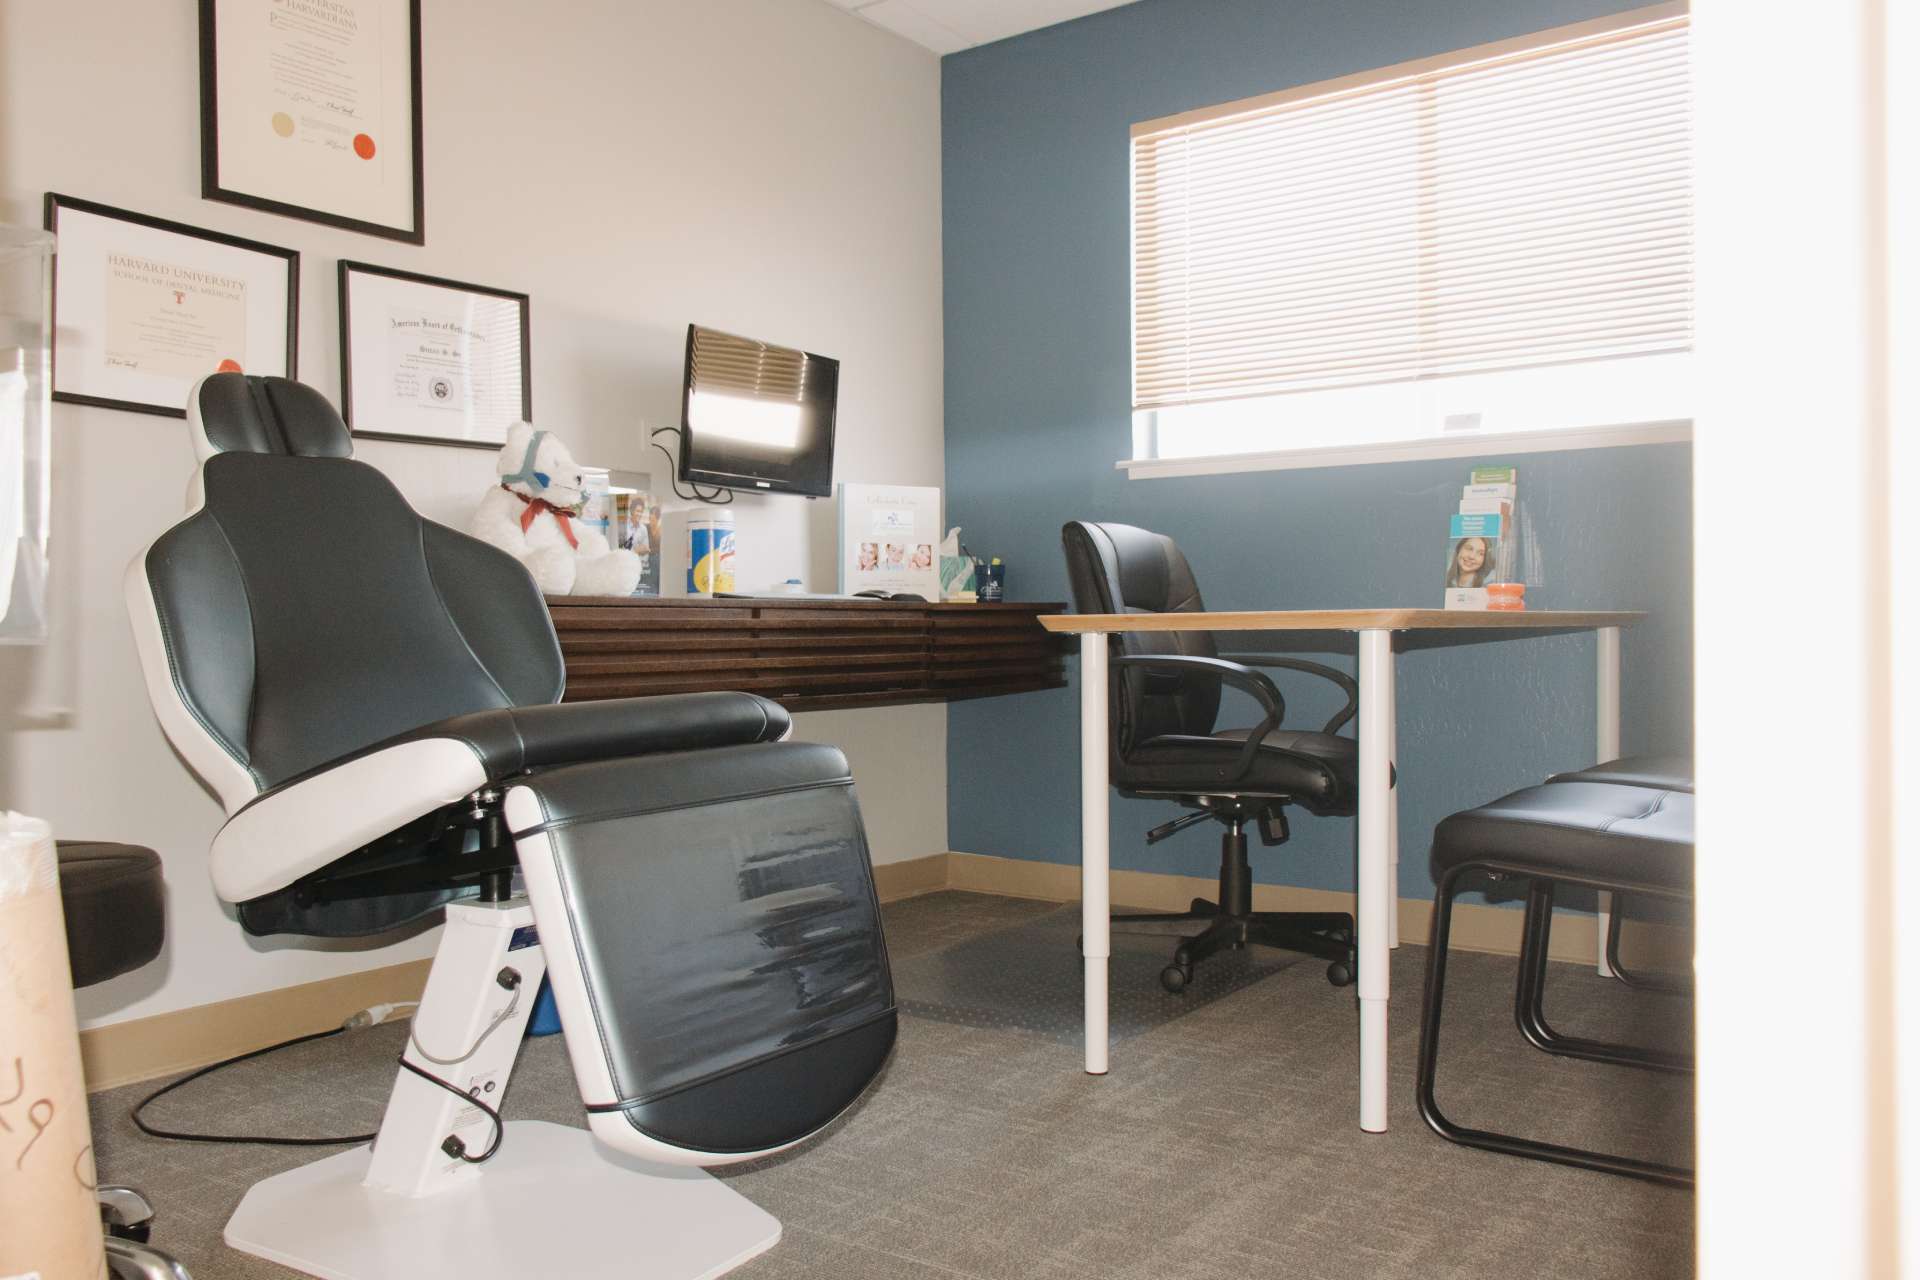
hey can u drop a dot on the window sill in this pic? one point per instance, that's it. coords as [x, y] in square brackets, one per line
[1464, 445]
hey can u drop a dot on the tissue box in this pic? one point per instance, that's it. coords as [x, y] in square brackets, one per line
[956, 578]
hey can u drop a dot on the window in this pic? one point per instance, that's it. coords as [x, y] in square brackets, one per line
[1490, 247]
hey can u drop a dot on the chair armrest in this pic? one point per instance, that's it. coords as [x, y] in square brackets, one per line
[1263, 690]
[1339, 677]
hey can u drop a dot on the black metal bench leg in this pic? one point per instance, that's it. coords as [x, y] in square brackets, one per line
[1529, 995]
[1676, 985]
[1430, 1014]
[1429, 1065]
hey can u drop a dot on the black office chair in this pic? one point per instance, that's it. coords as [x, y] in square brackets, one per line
[1165, 699]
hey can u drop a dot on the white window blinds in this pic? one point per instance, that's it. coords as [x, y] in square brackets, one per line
[1520, 206]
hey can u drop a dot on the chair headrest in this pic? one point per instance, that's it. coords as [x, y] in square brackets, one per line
[245, 413]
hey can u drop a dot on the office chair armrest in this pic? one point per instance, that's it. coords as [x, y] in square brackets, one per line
[1339, 677]
[1263, 691]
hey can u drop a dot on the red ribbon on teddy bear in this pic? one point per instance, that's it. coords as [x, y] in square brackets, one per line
[534, 508]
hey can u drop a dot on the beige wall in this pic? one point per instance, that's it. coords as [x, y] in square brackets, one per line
[766, 166]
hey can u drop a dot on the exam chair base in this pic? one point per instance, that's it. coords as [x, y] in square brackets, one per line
[551, 1200]
[554, 1202]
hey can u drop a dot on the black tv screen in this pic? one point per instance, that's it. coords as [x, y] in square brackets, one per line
[755, 416]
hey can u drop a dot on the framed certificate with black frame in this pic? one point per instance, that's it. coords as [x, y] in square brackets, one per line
[432, 361]
[144, 308]
[311, 108]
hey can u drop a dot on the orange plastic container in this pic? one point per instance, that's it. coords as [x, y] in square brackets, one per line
[1506, 595]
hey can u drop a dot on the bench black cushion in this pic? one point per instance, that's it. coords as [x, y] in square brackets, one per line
[1624, 835]
[1667, 773]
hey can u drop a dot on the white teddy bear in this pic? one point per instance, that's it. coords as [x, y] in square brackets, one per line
[533, 515]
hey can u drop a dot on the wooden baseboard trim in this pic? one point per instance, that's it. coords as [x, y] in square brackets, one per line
[1476, 927]
[145, 1048]
[896, 880]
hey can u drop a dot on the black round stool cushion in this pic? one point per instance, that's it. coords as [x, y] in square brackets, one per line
[115, 910]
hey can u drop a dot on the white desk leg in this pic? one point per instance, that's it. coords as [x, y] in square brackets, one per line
[1095, 908]
[1393, 814]
[1607, 745]
[1376, 891]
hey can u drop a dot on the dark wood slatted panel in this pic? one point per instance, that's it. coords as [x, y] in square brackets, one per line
[807, 655]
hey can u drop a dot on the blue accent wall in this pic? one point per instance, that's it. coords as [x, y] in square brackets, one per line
[1035, 140]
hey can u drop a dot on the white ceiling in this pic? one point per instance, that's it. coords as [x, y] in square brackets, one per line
[948, 26]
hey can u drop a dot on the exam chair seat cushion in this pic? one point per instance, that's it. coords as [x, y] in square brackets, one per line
[316, 817]
[115, 908]
[508, 741]
[1666, 773]
[1319, 771]
[1623, 835]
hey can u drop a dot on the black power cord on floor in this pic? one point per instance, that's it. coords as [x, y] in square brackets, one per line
[453, 1146]
[244, 1139]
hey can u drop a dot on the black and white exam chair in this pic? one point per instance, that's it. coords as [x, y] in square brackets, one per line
[375, 700]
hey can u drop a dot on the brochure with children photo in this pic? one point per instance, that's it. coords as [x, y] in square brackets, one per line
[889, 535]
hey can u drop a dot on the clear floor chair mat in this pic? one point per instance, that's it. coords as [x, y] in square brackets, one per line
[1027, 978]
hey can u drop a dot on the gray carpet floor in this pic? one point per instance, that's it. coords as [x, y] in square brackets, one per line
[1223, 1144]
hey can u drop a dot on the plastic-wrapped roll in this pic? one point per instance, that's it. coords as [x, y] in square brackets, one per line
[46, 1147]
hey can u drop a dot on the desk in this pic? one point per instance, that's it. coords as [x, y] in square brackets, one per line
[1379, 632]
[805, 654]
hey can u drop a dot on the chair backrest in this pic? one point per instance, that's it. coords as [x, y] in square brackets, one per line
[302, 611]
[1117, 568]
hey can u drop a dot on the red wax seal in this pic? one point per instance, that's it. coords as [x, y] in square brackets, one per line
[363, 146]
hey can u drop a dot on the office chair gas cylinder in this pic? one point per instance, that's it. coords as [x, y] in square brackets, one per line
[375, 699]
[1166, 745]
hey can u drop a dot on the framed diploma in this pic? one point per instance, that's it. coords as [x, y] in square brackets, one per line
[311, 108]
[433, 361]
[144, 308]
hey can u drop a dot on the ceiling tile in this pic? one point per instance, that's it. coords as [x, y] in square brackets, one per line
[984, 21]
[906, 19]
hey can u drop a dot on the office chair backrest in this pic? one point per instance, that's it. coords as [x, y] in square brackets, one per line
[304, 612]
[1117, 568]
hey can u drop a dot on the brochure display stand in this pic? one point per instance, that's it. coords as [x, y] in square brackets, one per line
[1489, 555]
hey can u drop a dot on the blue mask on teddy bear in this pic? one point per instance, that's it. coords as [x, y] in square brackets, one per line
[526, 473]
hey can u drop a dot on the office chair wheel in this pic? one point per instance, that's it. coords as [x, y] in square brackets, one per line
[1175, 977]
[1340, 973]
[125, 1213]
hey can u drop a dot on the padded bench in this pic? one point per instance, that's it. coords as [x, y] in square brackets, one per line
[1597, 830]
[1664, 773]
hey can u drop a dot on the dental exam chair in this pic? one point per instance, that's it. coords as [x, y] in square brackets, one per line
[375, 699]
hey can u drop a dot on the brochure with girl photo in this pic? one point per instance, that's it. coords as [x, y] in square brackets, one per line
[1473, 550]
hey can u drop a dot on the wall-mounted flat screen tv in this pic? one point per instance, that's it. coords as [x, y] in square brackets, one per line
[757, 417]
